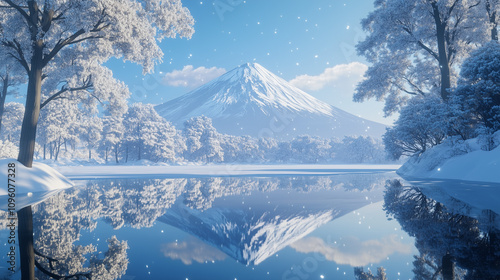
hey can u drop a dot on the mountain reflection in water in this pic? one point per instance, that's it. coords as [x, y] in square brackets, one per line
[94, 228]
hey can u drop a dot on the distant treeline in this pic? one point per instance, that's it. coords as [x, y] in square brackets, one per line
[141, 134]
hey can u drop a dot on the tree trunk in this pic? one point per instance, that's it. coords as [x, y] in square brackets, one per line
[52, 150]
[26, 152]
[32, 109]
[3, 95]
[90, 153]
[116, 152]
[126, 154]
[139, 154]
[444, 65]
[44, 150]
[448, 267]
[25, 237]
[59, 144]
[492, 15]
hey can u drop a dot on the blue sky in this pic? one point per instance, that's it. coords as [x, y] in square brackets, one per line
[310, 43]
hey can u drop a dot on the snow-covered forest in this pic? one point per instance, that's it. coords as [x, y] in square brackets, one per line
[441, 65]
[436, 63]
[67, 133]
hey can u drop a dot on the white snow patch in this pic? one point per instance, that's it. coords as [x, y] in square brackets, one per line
[32, 185]
[464, 161]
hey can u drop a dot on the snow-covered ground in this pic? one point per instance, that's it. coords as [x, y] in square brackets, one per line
[459, 161]
[27, 186]
[192, 171]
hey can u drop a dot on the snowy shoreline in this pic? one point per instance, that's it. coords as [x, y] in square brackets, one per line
[197, 171]
[465, 161]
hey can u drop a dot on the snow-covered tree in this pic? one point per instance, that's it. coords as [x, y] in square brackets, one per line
[231, 147]
[161, 141]
[133, 121]
[360, 274]
[38, 33]
[58, 128]
[477, 98]
[241, 149]
[413, 47]
[35, 32]
[309, 149]
[8, 149]
[112, 136]
[90, 132]
[12, 121]
[284, 152]
[421, 125]
[150, 135]
[267, 148]
[11, 75]
[203, 142]
[360, 149]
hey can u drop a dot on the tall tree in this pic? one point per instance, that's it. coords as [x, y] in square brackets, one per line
[35, 32]
[413, 47]
[203, 142]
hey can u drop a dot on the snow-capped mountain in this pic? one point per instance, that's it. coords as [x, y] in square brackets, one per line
[250, 100]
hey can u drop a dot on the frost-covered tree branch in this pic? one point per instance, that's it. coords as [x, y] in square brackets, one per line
[87, 84]
[416, 43]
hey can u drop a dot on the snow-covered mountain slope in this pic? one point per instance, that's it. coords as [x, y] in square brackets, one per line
[250, 100]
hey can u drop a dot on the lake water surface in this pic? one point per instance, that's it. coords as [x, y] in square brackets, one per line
[285, 227]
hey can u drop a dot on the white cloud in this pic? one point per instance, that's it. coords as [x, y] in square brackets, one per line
[192, 250]
[190, 77]
[339, 76]
[355, 252]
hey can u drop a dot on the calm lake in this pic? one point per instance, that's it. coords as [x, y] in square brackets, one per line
[282, 227]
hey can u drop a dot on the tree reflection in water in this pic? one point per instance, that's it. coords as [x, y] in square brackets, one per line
[57, 224]
[60, 221]
[474, 247]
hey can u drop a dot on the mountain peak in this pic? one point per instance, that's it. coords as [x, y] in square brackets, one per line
[247, 70]
[250, 65]
[251, 100]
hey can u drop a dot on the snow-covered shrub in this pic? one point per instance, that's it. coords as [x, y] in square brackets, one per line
[421, 125]
[476, 100]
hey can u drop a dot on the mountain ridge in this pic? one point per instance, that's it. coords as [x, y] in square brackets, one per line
[250, 100]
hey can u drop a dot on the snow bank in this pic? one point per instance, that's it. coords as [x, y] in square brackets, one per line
[459, 161]
[32, 185]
